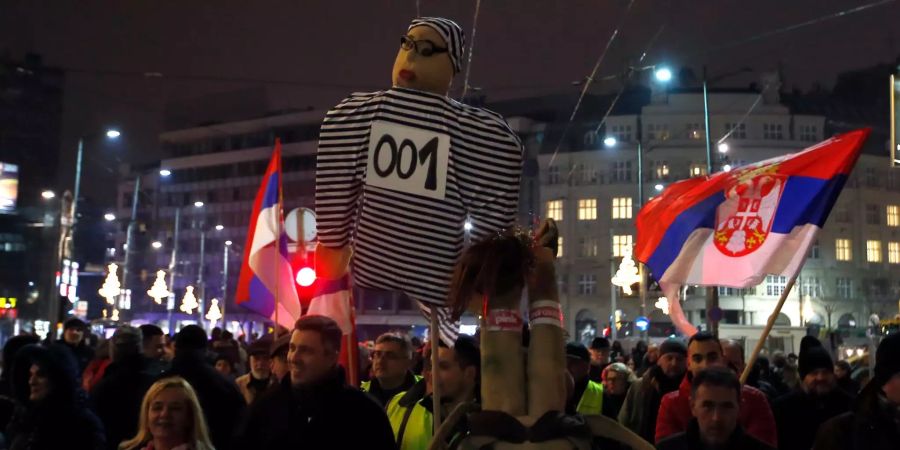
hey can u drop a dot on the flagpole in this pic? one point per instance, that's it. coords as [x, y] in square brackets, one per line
[435, 385]
[769, 325]
[279, 224]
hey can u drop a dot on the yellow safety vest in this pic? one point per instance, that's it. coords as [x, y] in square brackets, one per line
[366, 385]
[414, 423]
[591, 403]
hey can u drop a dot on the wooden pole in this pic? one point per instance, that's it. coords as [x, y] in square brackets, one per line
[435, 386]
[768, 329]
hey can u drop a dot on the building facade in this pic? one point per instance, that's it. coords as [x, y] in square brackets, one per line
[592, 191]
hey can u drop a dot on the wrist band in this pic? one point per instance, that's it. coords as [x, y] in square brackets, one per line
[503, 320]
[545, 312]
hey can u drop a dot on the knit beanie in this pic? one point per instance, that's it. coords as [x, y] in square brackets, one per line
[887, 359]
[673, 345]
[815, 357]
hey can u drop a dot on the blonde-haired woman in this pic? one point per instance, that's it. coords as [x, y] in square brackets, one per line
[171, 419]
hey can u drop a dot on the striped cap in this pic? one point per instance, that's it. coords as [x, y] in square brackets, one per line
[452, 34]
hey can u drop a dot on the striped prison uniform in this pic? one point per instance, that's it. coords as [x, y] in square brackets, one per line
[398, 173]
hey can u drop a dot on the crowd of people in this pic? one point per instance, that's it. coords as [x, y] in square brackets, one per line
[141, 390]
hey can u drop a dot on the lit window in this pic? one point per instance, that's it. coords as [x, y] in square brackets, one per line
[621, 208]
[893, 216]
[660, 169]
[894, 252]
[843, 252]
[587, 209]
[555, 210]
[694, 131]
[873, 251]
[620, 243]
[698, 170]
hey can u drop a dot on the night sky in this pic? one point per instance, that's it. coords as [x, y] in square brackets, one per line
[313, 53]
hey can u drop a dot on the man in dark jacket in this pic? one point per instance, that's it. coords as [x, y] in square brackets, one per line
[117, 397]
[314, 407]
[874, 423]
[799, 414]
[74, 330]
[715, 405]
[639, 412]
[842, 373]
[600, 350]
[391, 362]
[223, 405]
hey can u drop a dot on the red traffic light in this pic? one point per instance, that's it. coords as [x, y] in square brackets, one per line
[306, 276]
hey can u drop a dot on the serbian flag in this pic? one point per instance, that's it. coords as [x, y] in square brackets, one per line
[734, 228]
[266, 285]
[334, 299]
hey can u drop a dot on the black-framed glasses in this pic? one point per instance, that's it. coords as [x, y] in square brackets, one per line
[424, 47]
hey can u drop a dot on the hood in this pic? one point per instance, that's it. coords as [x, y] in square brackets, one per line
[61, 370]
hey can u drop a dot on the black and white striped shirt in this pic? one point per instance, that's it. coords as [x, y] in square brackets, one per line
[397, 174]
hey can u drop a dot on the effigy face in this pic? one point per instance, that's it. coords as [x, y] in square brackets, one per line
[414, 70]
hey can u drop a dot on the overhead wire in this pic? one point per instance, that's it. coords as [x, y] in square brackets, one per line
[590, 78]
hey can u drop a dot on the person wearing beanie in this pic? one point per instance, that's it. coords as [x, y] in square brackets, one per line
[587, 394]
[117, 397]
[74, 332]
[800, 413]
[641, 406]
[600, 351]
[874, 422]
[222, 402]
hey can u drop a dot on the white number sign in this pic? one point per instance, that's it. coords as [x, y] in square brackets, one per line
[407, 159]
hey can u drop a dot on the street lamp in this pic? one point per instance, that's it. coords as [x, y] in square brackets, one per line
[663, 74]
[228, 243]
[165, 172]
[109, 217]
[610, 141]
[723, 147]
[113, 134]
[220, 227]
[156, 245]
[198, 204]
[727, 167]
[48, 195]
[658, 187]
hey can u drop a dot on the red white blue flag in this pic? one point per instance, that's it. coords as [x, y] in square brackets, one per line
[734, 228]
[266, 281]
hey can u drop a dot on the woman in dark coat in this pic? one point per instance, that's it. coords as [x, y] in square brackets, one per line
[51, 411]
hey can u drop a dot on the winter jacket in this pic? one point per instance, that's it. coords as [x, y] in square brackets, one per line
[690, 440]
[329, 414]
[873, 424]
[59, 421]
[641, 405]
[223, 405]
[799, 415]
[756, 416]
[117, 398]
[82, 354]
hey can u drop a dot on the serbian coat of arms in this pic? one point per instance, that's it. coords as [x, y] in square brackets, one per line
[744, 219]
